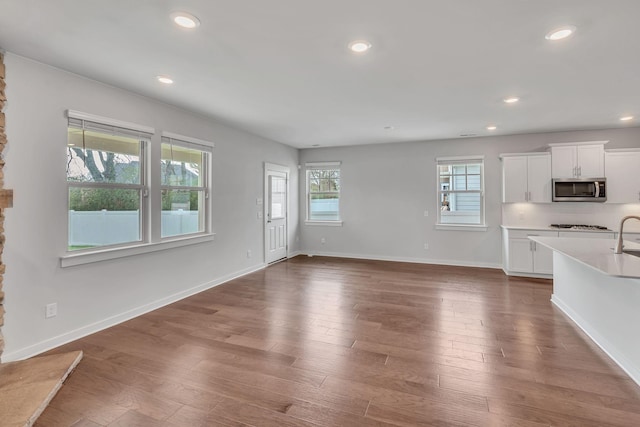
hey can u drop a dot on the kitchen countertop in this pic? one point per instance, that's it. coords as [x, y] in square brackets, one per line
[597, 254]
[547, 228]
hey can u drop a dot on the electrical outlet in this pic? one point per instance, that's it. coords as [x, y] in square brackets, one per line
[51, 310]
[259, 214]
[426, 246]
[323, 241]
[249, 254]
[426, 213]
[259, 201]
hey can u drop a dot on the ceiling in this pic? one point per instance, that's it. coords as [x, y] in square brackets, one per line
[281, 68]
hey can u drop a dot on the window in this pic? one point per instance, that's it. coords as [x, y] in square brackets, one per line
[461, 191]
[184, 178]
[120, 203]
[106, 182]
[323, 192]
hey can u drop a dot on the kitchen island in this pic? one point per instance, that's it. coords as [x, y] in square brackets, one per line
[600, 292]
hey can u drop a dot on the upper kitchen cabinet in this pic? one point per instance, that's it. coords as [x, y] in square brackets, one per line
[623, 175]
[526, 177]
[578, 159]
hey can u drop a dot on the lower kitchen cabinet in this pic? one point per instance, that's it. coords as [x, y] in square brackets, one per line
[525, 257]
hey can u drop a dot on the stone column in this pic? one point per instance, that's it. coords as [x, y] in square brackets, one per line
[6, 196]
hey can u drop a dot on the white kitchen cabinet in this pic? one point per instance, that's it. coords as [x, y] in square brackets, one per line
[622, 170]
[525, 257]
[588, 234]
[526, 177]
[578, 160]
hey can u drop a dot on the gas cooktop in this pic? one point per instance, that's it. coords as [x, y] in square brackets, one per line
[579, 227]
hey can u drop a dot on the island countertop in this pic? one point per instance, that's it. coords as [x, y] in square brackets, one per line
[596, 253]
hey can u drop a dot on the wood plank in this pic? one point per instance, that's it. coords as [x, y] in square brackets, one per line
[325, 341]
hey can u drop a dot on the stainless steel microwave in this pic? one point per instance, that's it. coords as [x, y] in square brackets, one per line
[579, 189]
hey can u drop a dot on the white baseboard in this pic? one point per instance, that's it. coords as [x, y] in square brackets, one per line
[627, 365]
[402, 259]
[48, 344]
[294, 254]
[531, 275]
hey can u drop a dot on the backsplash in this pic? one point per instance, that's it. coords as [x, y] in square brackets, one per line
[543, 214]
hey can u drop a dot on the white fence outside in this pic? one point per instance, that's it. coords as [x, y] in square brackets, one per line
[101, 228]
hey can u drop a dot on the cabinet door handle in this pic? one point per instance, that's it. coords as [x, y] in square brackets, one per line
[526, 199]
[529, 196]
[579, 171]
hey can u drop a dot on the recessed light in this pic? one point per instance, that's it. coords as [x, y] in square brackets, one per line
[165, 80]
[389, 128]
[511, 100]
[492, 127]
[359, 46]
[185, 20]
[560, 33]
[626, 118]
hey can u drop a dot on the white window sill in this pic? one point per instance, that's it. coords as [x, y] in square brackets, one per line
[325, 223]
[71, 259]
[461, 227]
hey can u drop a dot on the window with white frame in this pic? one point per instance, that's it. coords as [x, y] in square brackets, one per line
[109, 178]
[184, 177]
[323, 192]
[461, 190]
[106, 182]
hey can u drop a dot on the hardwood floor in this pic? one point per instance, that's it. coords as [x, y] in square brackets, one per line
[339, 342]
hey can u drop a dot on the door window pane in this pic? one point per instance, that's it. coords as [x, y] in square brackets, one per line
[278, 199]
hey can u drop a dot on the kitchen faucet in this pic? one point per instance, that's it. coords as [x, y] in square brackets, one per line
[618, 249]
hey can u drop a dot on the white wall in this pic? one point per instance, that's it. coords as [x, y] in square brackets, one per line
[386, 188]
[93, 296]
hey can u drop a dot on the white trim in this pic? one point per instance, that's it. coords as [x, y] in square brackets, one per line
[294, 254]
[336, 223]
[461, 227]
[110, 122]
[622, 150]
[276, 168]
[75, 334]
[600, 340]
[564, 144]
[521, 274]
[533, 153]
[321, 164]
[460, 158]
[81, 258]
[402, 259]
[187, 139]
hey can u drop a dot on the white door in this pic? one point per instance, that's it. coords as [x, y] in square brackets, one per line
[276, 208]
